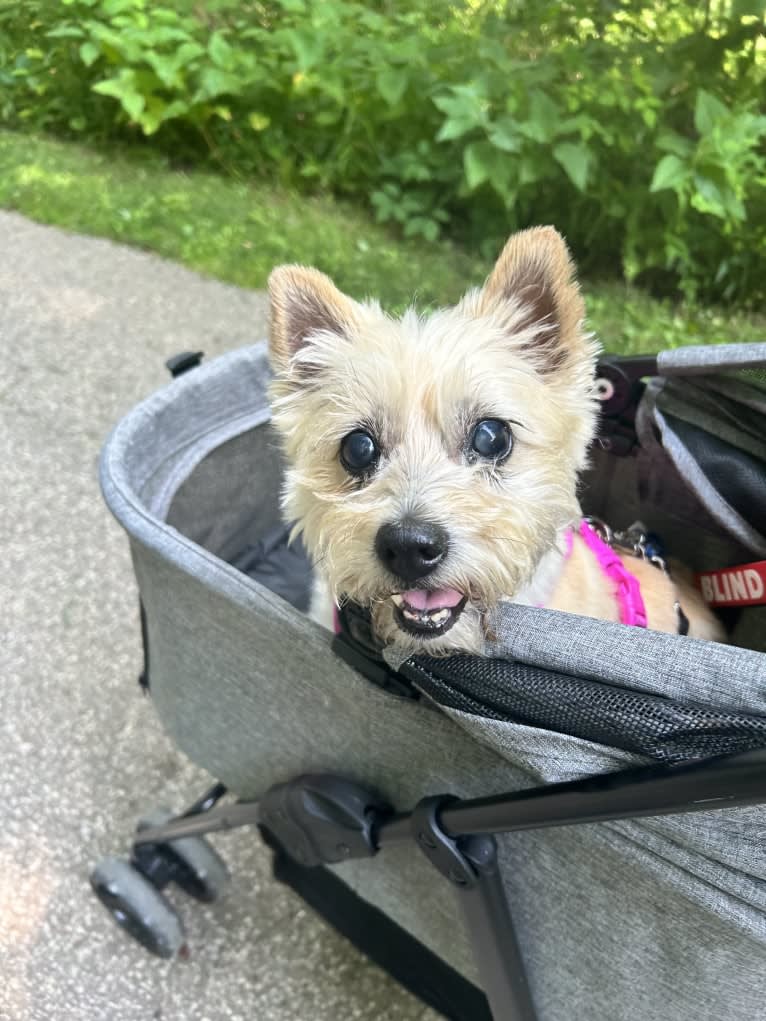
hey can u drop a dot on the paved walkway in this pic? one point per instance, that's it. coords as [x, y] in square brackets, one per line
[85, 326]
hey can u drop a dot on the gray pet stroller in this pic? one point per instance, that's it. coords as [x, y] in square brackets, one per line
[623, 875]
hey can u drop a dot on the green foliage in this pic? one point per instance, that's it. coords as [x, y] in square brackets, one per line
[239, 232]
[223, 227]
[639, 129]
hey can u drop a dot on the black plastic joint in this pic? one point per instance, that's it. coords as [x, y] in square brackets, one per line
[618, 381]
[323, 819]
[460, 859]
[357, 645]
[614, 388]
[178, 364]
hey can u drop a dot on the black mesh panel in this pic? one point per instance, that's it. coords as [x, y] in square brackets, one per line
[646, 724]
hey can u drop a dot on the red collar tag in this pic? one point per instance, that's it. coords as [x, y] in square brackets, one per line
[744, 585]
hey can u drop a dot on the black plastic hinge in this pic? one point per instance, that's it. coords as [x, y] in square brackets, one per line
[178, 364]
[357, 645]
[459, 859]
[619, 387]
[618, 381]
[323, 819]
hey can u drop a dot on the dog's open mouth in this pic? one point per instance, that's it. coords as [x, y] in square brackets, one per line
[428, 613]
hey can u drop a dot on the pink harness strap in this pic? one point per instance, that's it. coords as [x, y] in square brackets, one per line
[627, 587]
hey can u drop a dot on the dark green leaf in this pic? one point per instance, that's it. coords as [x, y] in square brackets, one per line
[65, 32]
[671, 141]
[543, 121]
[504, 135]
[217, 83]
[454, 128]
[708, 110]
[670, 172]
[483, 163]
[466, 105]
[220, 51]
[392, 83]
[708, 197]
[89, 53]
[574, 157]
[123, 89]
[307, 47]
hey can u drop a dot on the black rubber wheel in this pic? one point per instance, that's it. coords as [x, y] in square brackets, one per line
[196, 865]
[138, 907]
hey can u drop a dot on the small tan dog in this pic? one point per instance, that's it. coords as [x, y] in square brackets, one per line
[433, 462]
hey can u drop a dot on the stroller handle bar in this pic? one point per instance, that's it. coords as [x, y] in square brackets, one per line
[725, 781]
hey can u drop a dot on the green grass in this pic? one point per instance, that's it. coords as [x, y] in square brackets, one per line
[221, 227]
[238, 231]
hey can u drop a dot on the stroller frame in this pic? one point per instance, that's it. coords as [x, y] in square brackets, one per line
[324, 819]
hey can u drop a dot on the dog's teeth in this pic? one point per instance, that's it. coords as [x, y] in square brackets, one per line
[426, 620]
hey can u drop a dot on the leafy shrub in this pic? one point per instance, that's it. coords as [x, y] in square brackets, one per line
[637, 128]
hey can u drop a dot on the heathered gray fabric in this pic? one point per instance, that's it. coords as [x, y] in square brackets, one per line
[180, 424]
[228, 501]
[687, 361]
[662, 920]
[746, 392]
[736, 418]
[741, 427]
[704, 673]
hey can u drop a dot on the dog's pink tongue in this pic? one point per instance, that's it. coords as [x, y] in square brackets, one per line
[436, 599]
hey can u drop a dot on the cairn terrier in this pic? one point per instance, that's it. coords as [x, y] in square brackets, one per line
[433, 461]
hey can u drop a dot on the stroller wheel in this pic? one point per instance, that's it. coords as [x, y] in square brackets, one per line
[194, 864]
[138, 907]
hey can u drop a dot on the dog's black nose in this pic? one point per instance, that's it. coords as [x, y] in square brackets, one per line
[411, 549]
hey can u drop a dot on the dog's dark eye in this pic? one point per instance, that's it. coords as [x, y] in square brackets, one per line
[492, 439]
[358, 452]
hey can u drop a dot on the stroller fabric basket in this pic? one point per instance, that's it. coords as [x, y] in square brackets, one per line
[658, 919]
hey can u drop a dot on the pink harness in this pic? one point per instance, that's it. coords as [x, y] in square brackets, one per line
[627, 587]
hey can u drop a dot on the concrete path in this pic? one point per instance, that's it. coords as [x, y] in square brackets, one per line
[85, 326]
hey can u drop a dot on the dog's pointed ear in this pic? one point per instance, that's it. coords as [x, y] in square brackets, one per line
[304, 302]
[534, 280]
